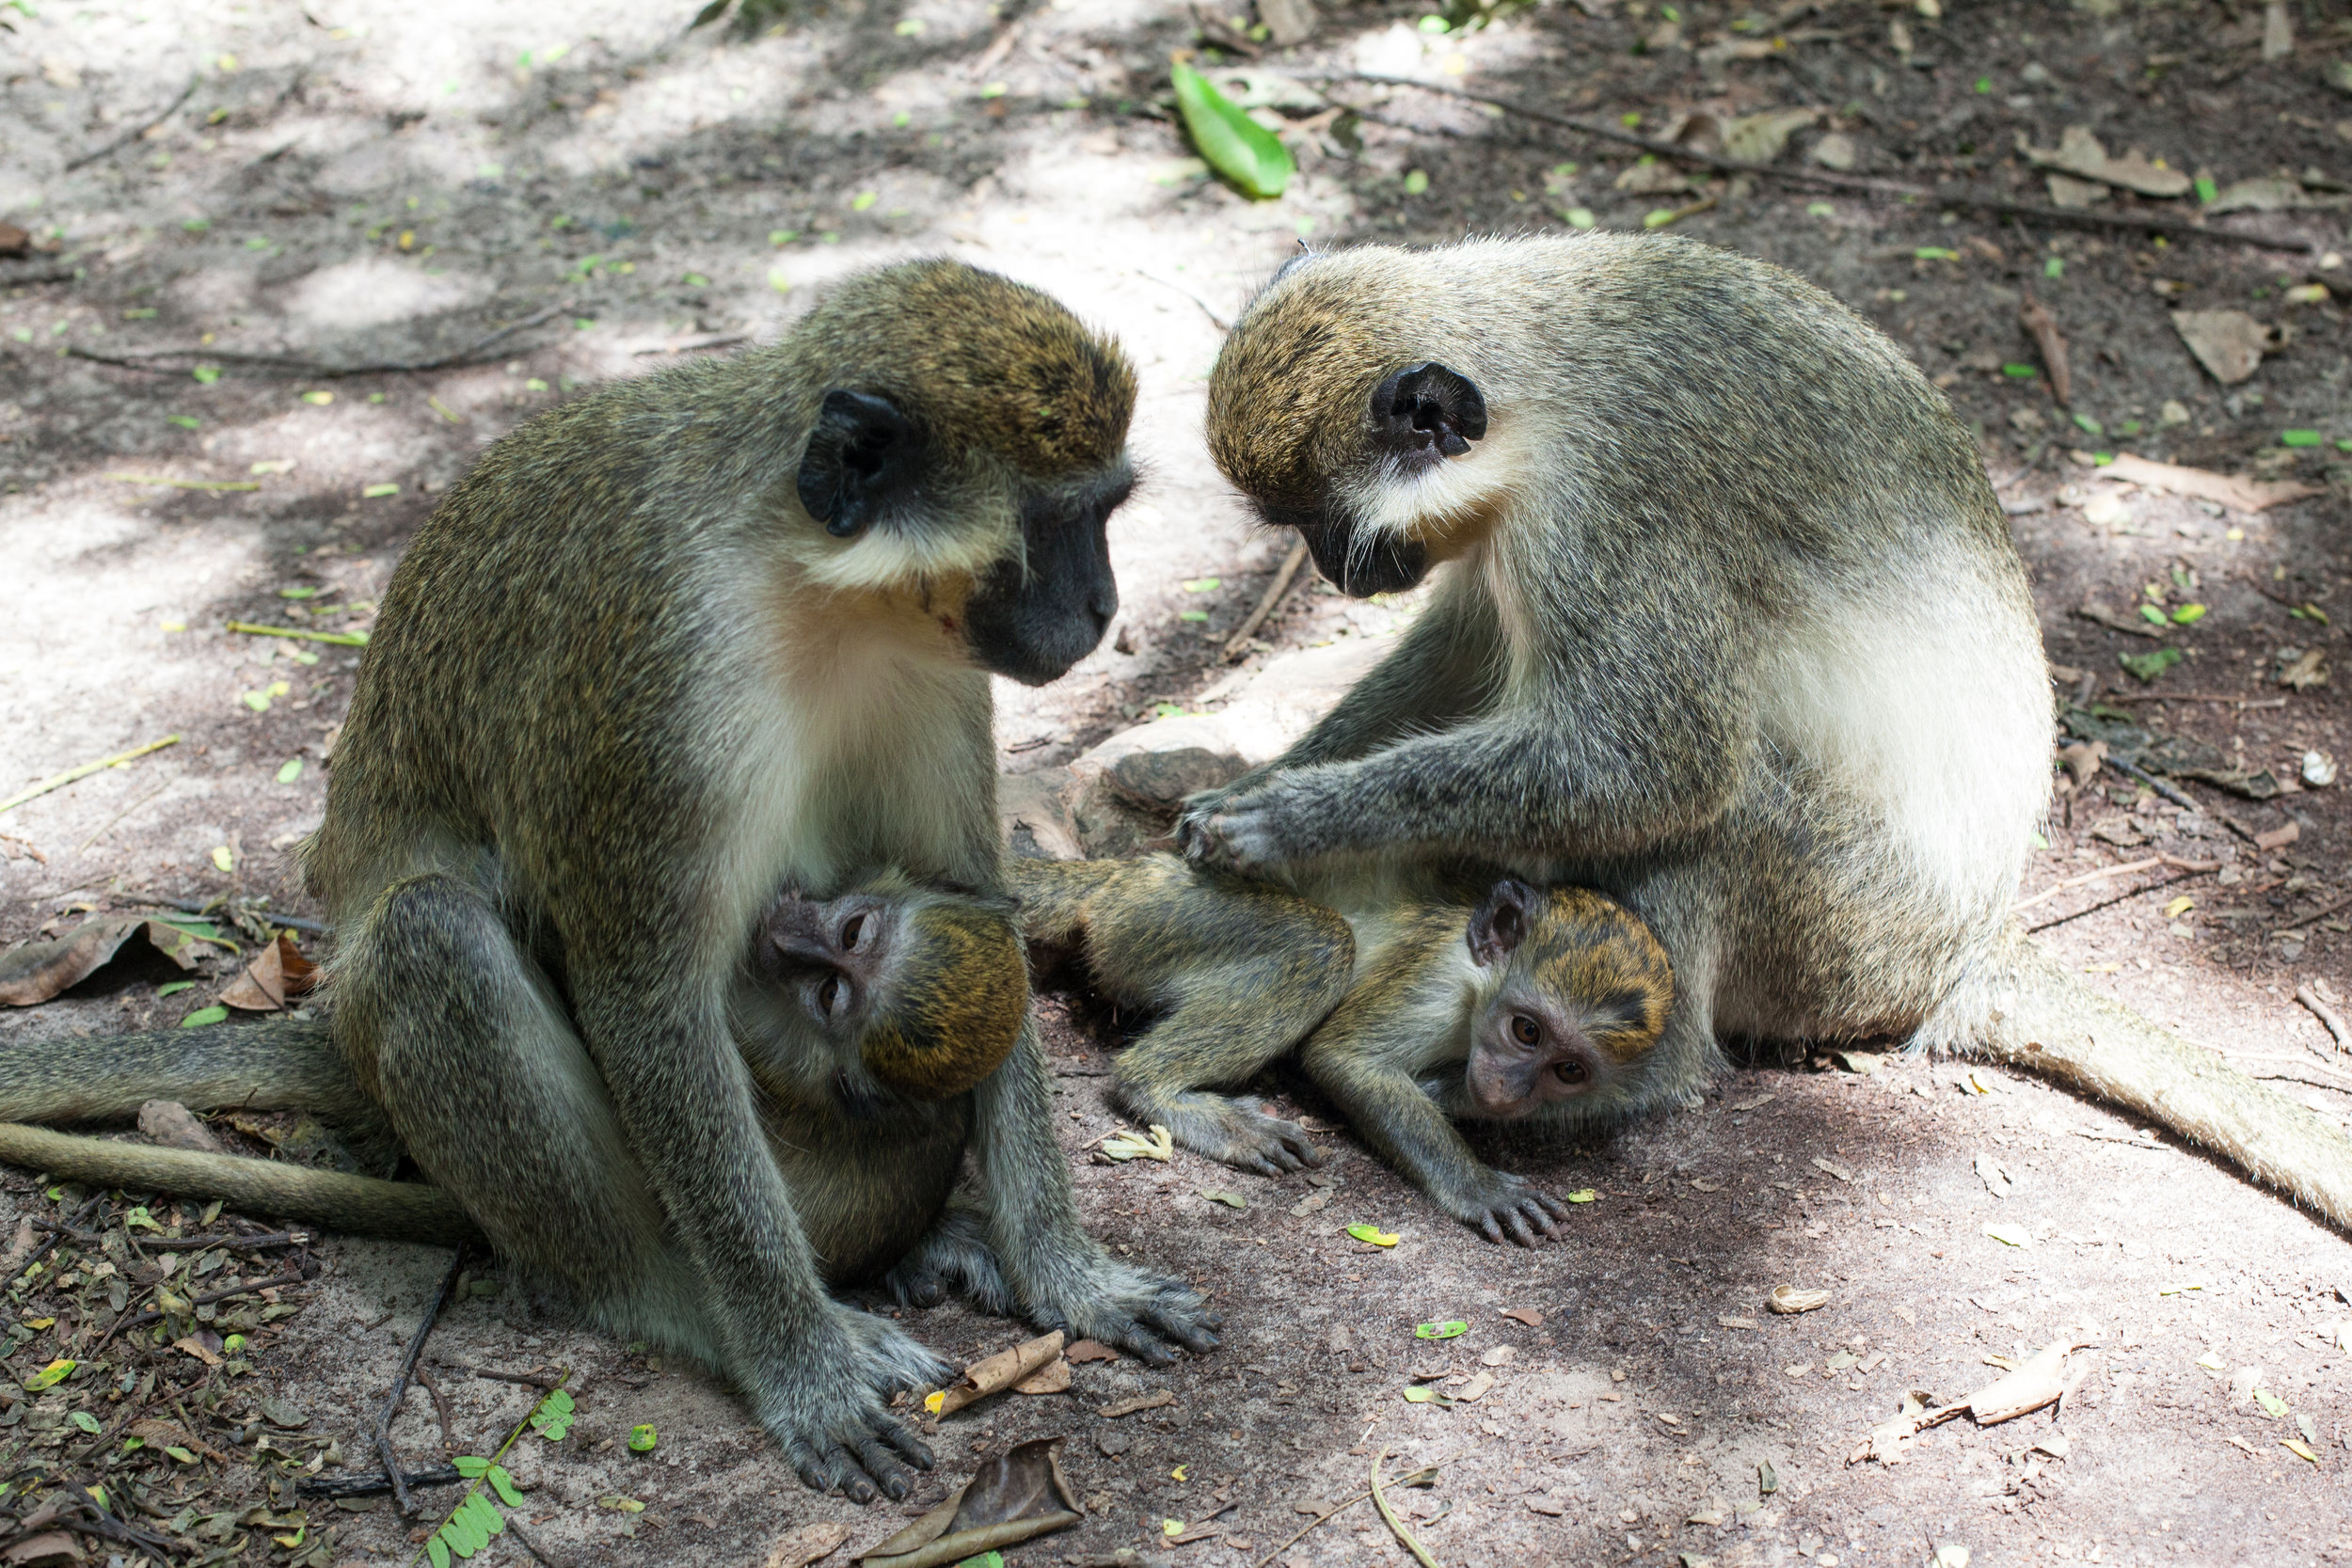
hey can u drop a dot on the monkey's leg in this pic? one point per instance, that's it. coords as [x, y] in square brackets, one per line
[497, 1099]
[1239, 972]
[1361, 1068]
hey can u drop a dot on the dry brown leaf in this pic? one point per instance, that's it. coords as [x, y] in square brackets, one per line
[1501, 1355]
[2279, 838]
[1526, 1315]
[1142, 1401]
[999, 1372]
[1761, 138]
[807, 1545]
[2228, 343]
[1008, 1500]
[2052, 343]
[39, 969]
[1089, 1349]
[2231, 490]
[1788, 1300]
[173, 1125]
[1475, 1388]
[49, 1546]
[2078, 153]
[278, 972]
[2305, 670]
[1052, 1378]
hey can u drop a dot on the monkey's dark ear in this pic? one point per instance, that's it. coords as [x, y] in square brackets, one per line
[1424, 412]
[861, 457]
[1499, 925]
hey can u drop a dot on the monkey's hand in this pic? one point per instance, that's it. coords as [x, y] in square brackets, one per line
[1492, 1202]
[829, 1412]
[1090, 1294]
[1243, 831]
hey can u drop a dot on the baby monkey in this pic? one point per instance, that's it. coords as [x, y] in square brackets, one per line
[1471, 998]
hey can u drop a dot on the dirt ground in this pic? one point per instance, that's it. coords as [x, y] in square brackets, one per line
[350, 184]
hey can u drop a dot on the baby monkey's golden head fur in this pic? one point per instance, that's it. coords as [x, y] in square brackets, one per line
[915, 991]
[1580, 997]
[966, 445]
[1331, 409]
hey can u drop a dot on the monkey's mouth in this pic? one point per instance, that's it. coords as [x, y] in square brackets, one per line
[861, 1099]
[1358, 564]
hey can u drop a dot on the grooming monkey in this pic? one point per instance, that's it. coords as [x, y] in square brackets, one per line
[1476, 999]
[1728, 626]
[668, 648]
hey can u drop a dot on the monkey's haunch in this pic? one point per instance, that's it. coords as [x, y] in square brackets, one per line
[398, 1211]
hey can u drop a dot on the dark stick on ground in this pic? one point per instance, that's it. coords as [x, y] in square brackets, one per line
[400, 1382]
[188, 1244]
[153, 361]
[58, 1233]
[440, 1409]
[137, 130]
[2179, 797]
[377, 1484]
[1857, 184]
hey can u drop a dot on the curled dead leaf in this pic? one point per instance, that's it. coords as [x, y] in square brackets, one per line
[1014, 1498]
[39, 969]
[1788, 1301]
[1002, 1371]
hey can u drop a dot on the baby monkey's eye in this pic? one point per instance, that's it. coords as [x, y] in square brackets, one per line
[1569, 1071]
[1526, 1030]
[852, 929]
[829, 994]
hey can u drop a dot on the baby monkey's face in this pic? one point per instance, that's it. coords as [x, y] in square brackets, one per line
[1583, 995]
[915, 991]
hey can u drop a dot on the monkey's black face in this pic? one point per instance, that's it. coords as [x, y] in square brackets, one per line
[1356, 563]
[1034, 617]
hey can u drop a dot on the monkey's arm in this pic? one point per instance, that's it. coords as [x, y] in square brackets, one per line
[1061, 1277]
[1390, 1111]
[1444, 668]
[1632, 722]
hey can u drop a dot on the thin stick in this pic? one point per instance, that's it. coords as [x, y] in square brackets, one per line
[2173, 794]
[187, 484]
[2191, 697]
[122, 141]
[2329, 1016]
[51, 1245]
[59, 781]
[1207, 309]
[1395, 1524]
[148, 360]
[118, 816]
[2108, 903]
[340, 639]
[2193, 868]
[440, 1409]
[1858, 184]
[529, 1380]
[1339, 1507]
[1238, 644]
[2317, 914]
[192, 1244]
[400, 1384]
[375, 1485]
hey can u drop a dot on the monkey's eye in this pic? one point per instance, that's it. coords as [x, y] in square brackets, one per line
[852, 929]
[829, 994]
[1570, 1070]
[1526, 1030]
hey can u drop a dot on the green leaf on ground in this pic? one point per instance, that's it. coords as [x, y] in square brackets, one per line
[203, 1016]
[1373, 1235]
[1440, 1331]
[1237, 147]
[2148, 666]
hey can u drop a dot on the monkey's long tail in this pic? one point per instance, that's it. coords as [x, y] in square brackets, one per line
[2032, 1013]
[278, 1064]
[396, 1211]
[1053, 896]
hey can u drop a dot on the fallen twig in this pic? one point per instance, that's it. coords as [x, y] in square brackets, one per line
[2331, 1019]
[2036, 318]
[59, 781]
[440, 1409]
[2191, 697]
[143, 800]
[1410, 1478]
[400, 1382]
[2320, 913]
[137, 132]
[1215, 319]
[1857, 184]
[143, 1319]
[188, 1244]
[1238, 644]
[2147, 864]
[375, 1485]
[340, 639]
[150, 359]
[1396, 1526]
[2174, 794]
[529, 1380]
[216, 484]
[2108, 903]
[51, 1245]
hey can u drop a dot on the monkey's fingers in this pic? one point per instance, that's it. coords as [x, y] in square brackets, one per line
[1190, 1330]
[829, 1469]
[884, 1467]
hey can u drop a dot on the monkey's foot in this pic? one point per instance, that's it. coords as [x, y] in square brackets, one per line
[829, 1410]
[1094, 1296]
[1494, 1202]
[954, 1255]
[1236, 1133]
